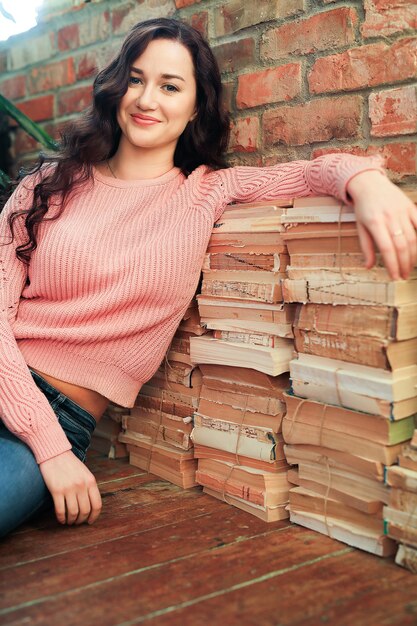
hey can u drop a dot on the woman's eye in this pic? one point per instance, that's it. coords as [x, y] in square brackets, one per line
[171, 88]
[134, 80]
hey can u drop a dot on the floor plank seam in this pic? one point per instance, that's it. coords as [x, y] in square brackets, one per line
[237, 587]
[140, 570]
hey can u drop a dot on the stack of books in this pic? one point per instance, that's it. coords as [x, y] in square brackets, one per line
[241, 295]
[353, 383]
[238, 441]
[105, 438]
[157, 430]
[244, 360]
[401, 512]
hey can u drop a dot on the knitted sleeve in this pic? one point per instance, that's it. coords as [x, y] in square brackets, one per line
[325, 175]
[23, 407]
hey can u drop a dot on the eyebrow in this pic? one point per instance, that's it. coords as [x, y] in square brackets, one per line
[168, 76]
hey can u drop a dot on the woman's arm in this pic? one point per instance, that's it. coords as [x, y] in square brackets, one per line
[379, 205]
[23, 407]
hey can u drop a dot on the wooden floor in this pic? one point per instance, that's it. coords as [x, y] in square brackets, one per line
[160, 555]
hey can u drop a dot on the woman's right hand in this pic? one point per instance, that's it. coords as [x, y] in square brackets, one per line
[73, 488]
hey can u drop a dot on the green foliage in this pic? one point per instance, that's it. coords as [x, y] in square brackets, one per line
[31, 127]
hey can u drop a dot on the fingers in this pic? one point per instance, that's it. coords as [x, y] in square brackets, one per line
[96, 503]
[59, 504]
[367, 245]
[404, 241]
[81, 505]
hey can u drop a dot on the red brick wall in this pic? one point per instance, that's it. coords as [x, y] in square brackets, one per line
[302, 77]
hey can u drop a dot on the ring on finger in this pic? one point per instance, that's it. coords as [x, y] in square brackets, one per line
[398, 233]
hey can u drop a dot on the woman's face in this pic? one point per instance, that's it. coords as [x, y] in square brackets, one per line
[161, 97]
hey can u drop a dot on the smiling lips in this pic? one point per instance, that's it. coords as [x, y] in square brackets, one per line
[144, 120]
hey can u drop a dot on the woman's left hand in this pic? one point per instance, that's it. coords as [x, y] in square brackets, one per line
[386, 218]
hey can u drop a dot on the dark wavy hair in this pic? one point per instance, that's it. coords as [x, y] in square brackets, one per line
[94, 137]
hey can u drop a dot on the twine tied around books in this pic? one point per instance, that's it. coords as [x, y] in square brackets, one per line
[326, 497]
[155, 436]
[236, 452]
[329, 288]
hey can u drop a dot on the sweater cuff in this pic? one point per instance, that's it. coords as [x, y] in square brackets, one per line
[49, 442]
[352, 168]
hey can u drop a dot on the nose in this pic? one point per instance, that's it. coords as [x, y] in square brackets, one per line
[146, 99]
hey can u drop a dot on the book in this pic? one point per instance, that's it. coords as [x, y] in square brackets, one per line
[368, 427]
[240, 440]
[273, 361]
[250, 261]
[339, 521]
[244, 380]
[176, 466]
[267, 514]
[334, 289]
[269, 465]
[318, 209]
[253, 338]
[259, 286]
[381, 322]
[407, 557]
[358, 387]
[401, 478]
[334, 458]
[241, 315]
[256, 486]
[160, 427]
[296, 432]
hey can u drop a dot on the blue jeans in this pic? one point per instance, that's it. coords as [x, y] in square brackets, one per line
[23, 492]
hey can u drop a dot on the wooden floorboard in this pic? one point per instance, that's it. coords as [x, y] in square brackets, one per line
[164, 556]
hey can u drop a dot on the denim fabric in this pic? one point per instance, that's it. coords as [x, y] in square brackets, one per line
[23, 492]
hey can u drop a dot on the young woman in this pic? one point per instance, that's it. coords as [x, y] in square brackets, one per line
[108, 243]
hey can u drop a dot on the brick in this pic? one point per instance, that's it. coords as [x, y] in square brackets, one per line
[54, 129]
[367, 66]
[180, 4]
[13, 88]
[323, 31]
[24, 143]
[51, 76]
[69, 38]
[38, 109]
[244, 135]
[235, 55]
[74, 100]
[393, 112]
[89, 63]
[127, 15]
[95, 28]
[86, 65]
[274, 85]
[199, 21]
[317, 120]
[251, 159]
[400, 158]
[386, 17]
[228, 95]
[237, 14]
[31, 51]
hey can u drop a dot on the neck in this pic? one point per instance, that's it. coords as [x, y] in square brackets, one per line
[131, 163]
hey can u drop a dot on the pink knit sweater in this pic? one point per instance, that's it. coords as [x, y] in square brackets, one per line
[111, 279]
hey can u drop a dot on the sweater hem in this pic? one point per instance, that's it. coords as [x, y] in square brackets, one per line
[107, 379]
